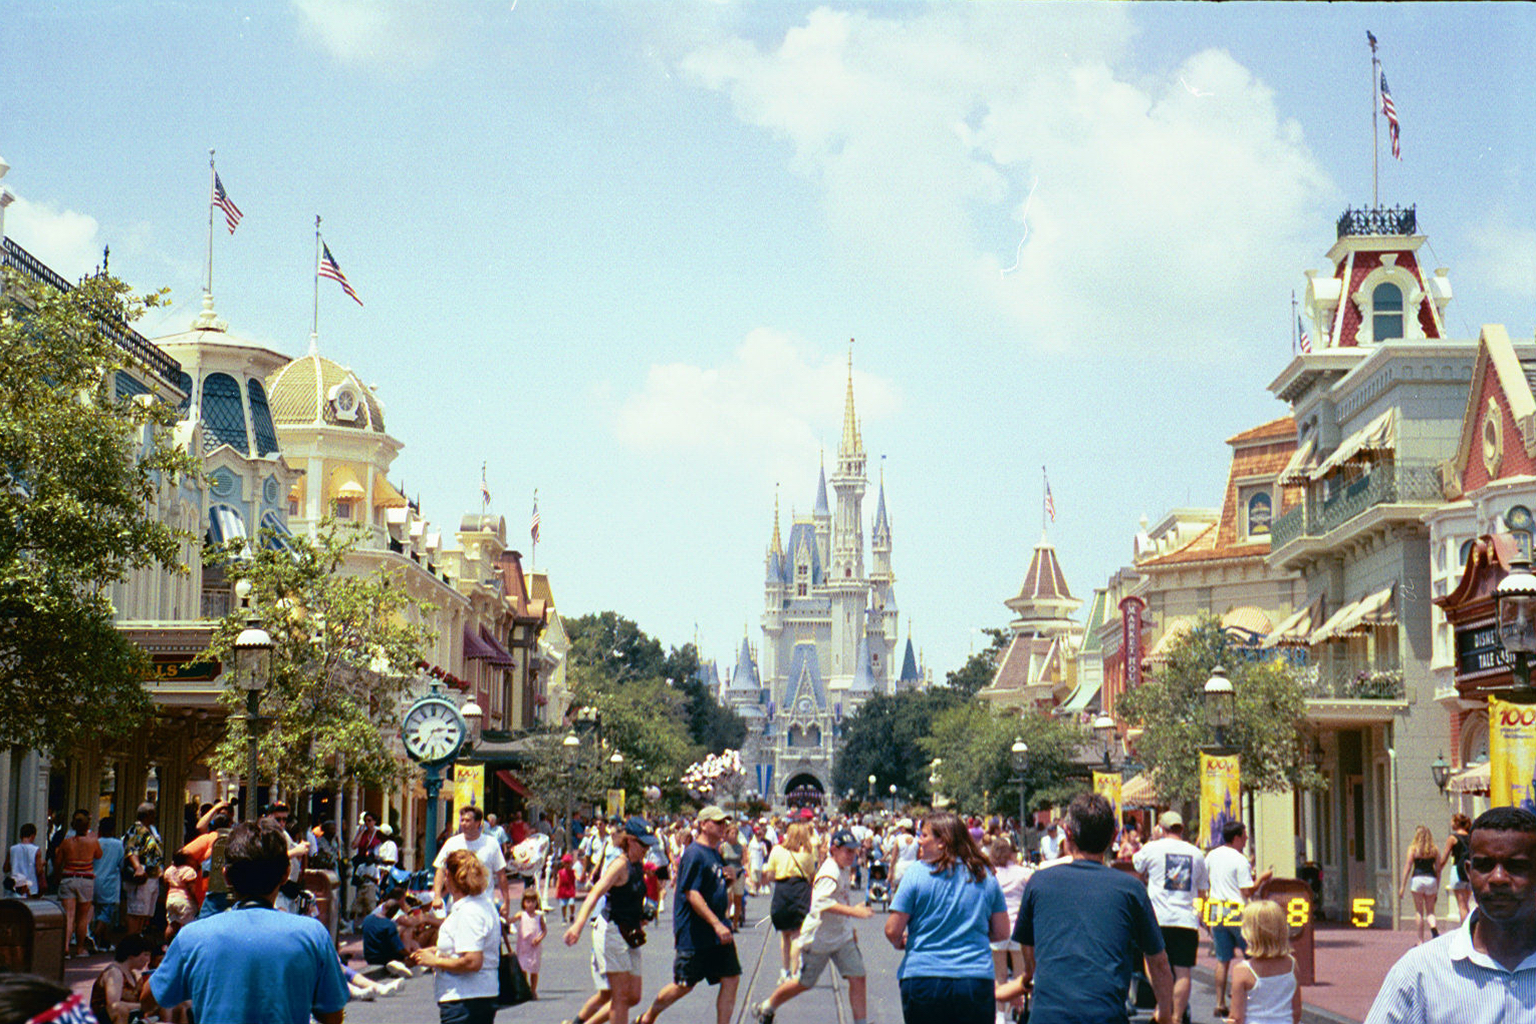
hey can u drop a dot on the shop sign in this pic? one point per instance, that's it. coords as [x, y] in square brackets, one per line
[468, 786]
[1108, 785]
[1512, 754]
[1130, 639]
[172, 668]
[1478, 650]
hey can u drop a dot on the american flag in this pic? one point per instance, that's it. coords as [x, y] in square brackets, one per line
[1050, 502]
[221, 199]
[1388, 108]
[1306, 339]
[533, 526]
[485, 488]
[329, 268]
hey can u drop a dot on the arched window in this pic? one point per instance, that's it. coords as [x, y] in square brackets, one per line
[261, 419]
[1259, 508]
[1466, 552]
[1387, 312]
[223, 414]
[1519, 523]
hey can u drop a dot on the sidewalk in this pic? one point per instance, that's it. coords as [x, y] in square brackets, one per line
[1350, 963]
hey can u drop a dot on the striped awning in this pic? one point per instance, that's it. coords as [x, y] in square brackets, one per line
[1303, 461]
[1371, 611]
[225, 523]
[278, 537]
[1475, 780]
[1379, 435]
[1296, 630]
[1138, 791]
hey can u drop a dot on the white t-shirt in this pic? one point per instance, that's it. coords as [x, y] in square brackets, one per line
[1230, 873]
[388, 852]
[473, 924]
[24, 867]
[1011, 879]
[822, 933]
[1050, 846]
[486, 848]
[1175, 873]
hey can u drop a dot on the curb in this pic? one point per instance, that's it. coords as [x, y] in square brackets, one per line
[1309, 1014]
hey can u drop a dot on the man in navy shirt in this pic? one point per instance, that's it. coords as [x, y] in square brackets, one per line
[705, 948]
[254, 964]
[1085, 920]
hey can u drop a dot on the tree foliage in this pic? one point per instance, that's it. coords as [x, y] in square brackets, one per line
[345, 649]
[1268, 717]
[884, 739]
[978, 670]
[975, 743]
[84, 474]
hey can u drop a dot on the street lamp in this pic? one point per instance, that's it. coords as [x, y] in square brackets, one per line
[1440, 771]
[1219, 699]
[1105, 727]
[871, 789]
[1018, 755]
[933, 778]
[617, 760]
[472, 717]
[893, 799]
[1516, 602]
[253, 656]
[571, 744]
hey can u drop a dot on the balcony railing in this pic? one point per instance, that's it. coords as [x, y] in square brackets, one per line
[129, 340]
[1343, 682]
[1386, 483]
[1379, 220]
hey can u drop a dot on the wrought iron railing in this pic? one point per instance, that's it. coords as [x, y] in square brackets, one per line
[1379, 220]
[1385, 483]
[129, 340]
[1346, 682]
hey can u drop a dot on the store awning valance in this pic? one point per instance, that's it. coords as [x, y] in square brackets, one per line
[1297, 629]
[1079, 699]
[1303, 461]
[225, 523]
[279, 538]
[385, 494]
[476, 649]
[500, 656]
[1476, 779]
[1377, 436]
[1138, 791]
[513, 783]
[1371, 611]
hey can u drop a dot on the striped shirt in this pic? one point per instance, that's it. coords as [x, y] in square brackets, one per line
[1447, 981]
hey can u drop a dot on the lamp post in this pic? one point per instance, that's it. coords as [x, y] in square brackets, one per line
[893, 799]
[1104, 726]
[617, 760]
[1219, 700]
[1516, 602]
[1440, 771]
[253, 655]
[871, 789]
[570, 745]
[1018, 756]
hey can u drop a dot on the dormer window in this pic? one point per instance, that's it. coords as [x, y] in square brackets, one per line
[1386, 312]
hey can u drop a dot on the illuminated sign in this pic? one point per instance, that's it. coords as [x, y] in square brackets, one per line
[1298, 912]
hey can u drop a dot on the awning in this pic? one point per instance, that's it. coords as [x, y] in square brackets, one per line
[385, 495]
[1138, 791]
[225, 523]
[511, 782]
[476, 649]
[1476, 779]
[1079, 699]
[1379, 435]
[1296, 630]
[279, 539]
[1303, 461]
[1378, 609]
[1176, 629]
[500, 656]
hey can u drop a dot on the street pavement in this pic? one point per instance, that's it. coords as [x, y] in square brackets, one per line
[566, 981]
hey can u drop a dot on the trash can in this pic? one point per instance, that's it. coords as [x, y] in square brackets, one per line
[324, 884]
[32, 937]
[1294, 896]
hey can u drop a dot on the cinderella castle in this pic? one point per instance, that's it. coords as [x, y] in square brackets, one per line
[829, 635]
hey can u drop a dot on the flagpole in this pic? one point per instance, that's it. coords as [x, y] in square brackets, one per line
[533, 546]
[1375, 143]
[1295, 323]
[1047, 483]
[208, 288]
[314, 328]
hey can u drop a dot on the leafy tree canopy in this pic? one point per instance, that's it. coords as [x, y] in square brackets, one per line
[884, 739]
[1268, 718]
[975, 743]
[85, 474]
[977, 672]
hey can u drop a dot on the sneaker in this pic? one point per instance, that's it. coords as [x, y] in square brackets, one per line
[399, 969]
[389, 988]
[763, 1013]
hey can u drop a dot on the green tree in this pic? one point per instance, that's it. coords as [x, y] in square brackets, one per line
[83, 470]
[344, 658]
[975, 743]
[970, 678]
[1268, 718]
[884, 738]
[711, 724]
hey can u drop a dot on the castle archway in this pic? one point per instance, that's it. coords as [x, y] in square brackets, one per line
[804, 790]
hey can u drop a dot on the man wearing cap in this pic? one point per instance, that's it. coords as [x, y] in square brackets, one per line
[827, 934]
[705, 947]
[619, 931]
[470, 837]
[388, 853]
[1175, 873]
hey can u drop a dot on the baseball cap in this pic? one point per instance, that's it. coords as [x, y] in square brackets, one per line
[845, 839]
[1171, 819]
[386, 829]
[807, 814]
[712, 813]
[640, 829]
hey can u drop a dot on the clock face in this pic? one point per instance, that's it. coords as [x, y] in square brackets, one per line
[433, 730]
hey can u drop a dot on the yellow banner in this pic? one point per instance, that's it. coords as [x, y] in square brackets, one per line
[468, 787]
[1220, 795]
[1511, 754]
[1107, 785]
[616, 802]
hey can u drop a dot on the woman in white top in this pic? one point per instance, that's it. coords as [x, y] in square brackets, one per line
[1011, 878]
[468, 946]
[1264, 989]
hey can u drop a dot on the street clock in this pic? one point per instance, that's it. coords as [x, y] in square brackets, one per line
[433, 730]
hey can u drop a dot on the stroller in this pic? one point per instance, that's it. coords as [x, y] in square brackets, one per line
[879, 884]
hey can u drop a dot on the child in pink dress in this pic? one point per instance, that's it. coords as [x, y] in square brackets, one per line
[530, 930]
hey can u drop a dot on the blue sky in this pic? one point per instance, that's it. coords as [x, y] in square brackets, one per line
[618, 250]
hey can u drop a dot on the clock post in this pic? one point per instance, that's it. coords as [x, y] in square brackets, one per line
[434, 733]
[433, 784]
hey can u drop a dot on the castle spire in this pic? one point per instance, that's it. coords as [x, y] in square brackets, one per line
[822, 508]
[776, 546]
[852, 443]
[882, 525]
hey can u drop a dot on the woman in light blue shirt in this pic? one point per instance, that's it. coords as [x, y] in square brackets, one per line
[947, 912]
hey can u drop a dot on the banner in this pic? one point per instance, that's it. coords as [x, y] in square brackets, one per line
[1511, 754]
[1130, 640]
[1107, 785]
[1220, 795]
[616, 802]
[468, 787]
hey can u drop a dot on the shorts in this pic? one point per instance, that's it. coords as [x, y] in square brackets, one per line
[566, 901]
[709, 964]
[849, 961]
[1227, 940]
[611, 954]
[108, 912]
[179, 908]
[947, 1000]
[73, 887]
[139, 898]
[1425, 884]
[1459, 885]
[467, 1011]
[1006, 946]
[1183, 945]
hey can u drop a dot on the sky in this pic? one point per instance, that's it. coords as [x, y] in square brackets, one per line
[616, 251]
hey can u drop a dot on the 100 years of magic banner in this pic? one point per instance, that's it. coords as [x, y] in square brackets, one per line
[1219, 795]
[1512, 754]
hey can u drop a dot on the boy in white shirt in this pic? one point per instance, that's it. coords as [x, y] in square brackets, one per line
[827, 934]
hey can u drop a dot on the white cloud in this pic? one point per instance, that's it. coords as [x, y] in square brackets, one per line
[768, 408]
[380, 33]
[1503, 255]
[68, 242]
[1161, 199]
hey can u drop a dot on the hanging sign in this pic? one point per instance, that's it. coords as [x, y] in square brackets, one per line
[1511, 754]
[468, 786]
[1130, 640]
[1220, 795]
[1107, 785]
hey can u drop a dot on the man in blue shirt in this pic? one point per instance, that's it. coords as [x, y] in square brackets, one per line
[254, 964]
[109, 877]
[704, 946]
[1087, 921]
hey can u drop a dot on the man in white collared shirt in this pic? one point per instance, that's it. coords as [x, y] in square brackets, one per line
[1485, 971]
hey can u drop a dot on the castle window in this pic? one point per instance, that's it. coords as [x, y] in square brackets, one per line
[802, 569]
[800, 590]
[1386, 312]
[261, 419]
[343, 508]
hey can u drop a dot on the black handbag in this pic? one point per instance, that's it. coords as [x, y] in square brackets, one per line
[512, 984]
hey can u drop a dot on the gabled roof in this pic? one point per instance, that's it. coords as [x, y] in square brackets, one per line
[745, 675]
[804, 677]
[1028, 662]
[802, 536]
[1097, 610]
[1514, 380]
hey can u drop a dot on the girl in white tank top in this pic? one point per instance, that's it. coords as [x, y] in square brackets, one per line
[1265, 991]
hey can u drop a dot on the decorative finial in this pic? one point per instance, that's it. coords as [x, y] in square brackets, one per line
[207, 320]
[314, 343]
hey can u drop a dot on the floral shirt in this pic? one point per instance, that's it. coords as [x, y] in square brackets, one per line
[145, 842]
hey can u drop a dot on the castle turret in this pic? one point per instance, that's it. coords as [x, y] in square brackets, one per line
[846, 584]
[776, 578]
[821, 515]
